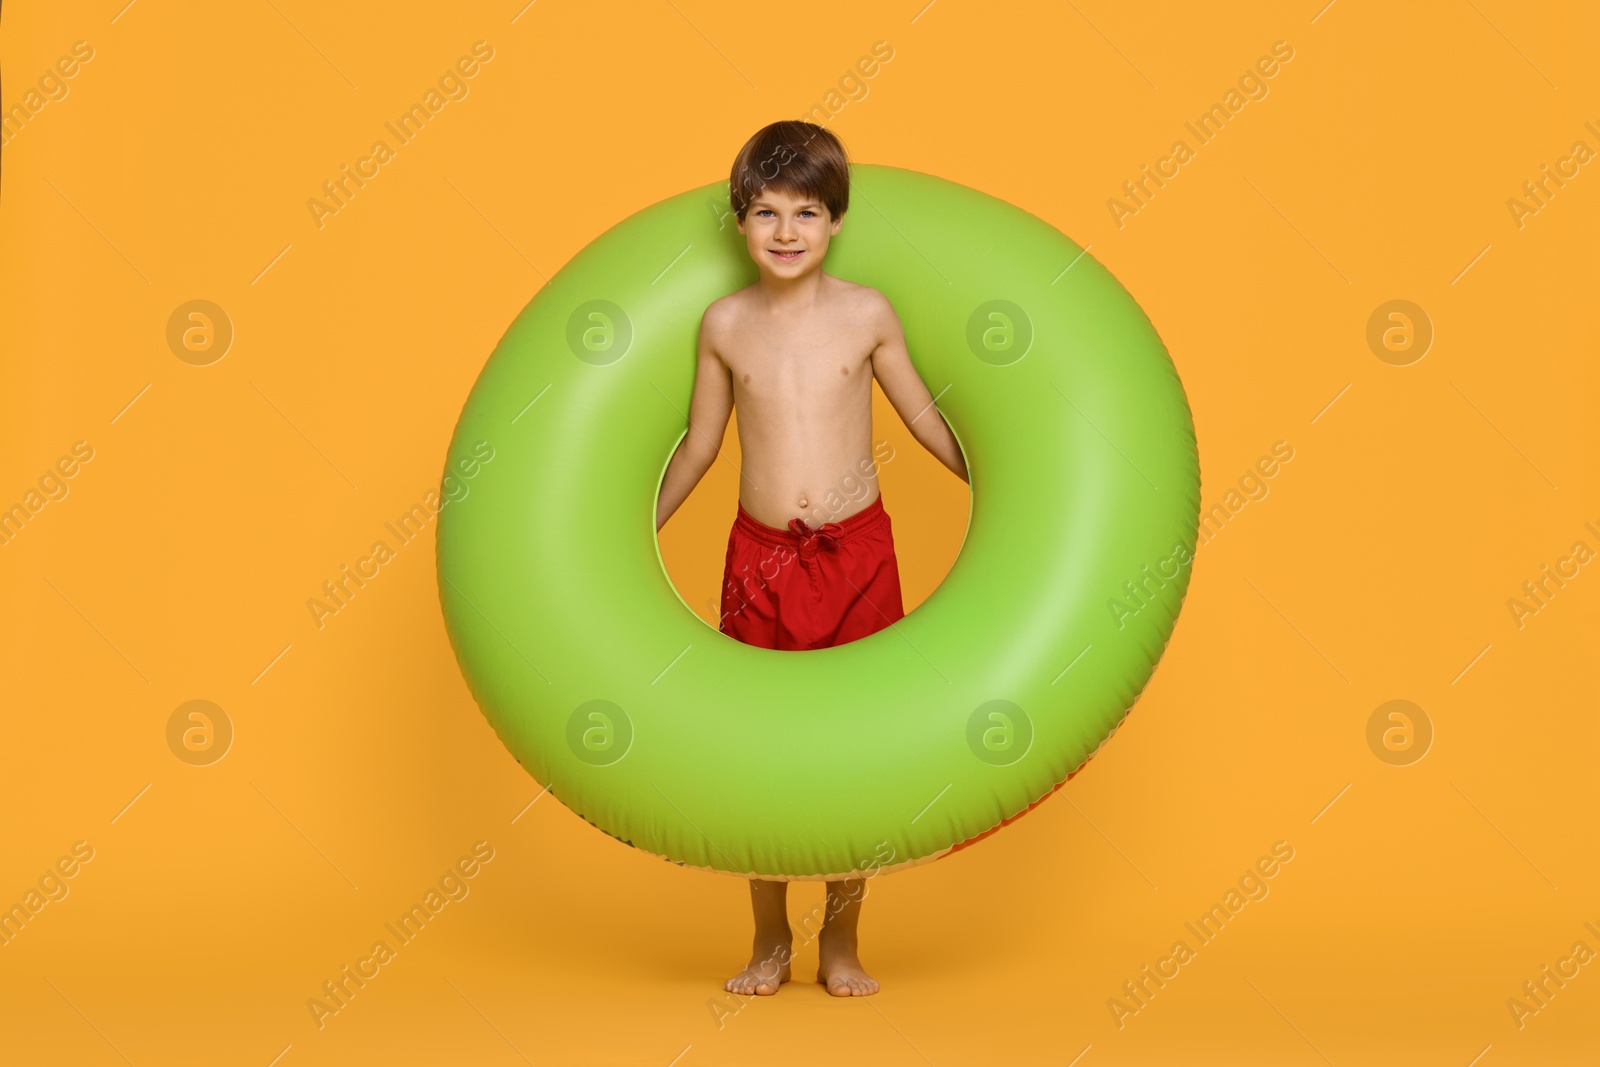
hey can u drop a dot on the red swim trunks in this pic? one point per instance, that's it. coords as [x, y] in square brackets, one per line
[805, 588]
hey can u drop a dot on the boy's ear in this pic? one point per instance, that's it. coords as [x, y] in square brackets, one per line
[836, 224]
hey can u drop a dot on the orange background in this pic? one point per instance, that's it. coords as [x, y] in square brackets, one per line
[219, 498]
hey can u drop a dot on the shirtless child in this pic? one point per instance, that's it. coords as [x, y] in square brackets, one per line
[806, 568]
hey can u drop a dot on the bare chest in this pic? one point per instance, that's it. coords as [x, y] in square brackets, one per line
[809, 361]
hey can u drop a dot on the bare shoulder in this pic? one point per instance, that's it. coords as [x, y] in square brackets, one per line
[722, 311]
[873, 308]
[721, 316]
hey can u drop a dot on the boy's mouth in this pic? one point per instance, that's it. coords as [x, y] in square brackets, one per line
[787, 257]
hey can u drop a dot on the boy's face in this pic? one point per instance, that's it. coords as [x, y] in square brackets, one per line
[787, 234]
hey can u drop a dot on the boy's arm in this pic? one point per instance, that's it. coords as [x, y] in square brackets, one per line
[891, 365]
[709, 408]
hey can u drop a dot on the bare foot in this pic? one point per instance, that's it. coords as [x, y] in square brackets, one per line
[841, 972]
[768, 970]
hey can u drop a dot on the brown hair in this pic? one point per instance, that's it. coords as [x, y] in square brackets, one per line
[792, 156]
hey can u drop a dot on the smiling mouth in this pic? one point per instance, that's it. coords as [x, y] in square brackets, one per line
[787, 257]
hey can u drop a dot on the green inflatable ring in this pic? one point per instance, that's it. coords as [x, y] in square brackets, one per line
[890, 751]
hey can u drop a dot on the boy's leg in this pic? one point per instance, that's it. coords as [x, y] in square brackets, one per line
[749, 604]
[838, 966]
[773, 944]
[860, 583]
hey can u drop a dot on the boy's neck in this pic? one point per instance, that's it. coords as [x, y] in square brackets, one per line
[791, 292]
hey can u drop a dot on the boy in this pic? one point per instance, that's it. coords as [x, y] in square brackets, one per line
[798, 351]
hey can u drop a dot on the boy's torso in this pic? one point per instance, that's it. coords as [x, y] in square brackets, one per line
[802, 387]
